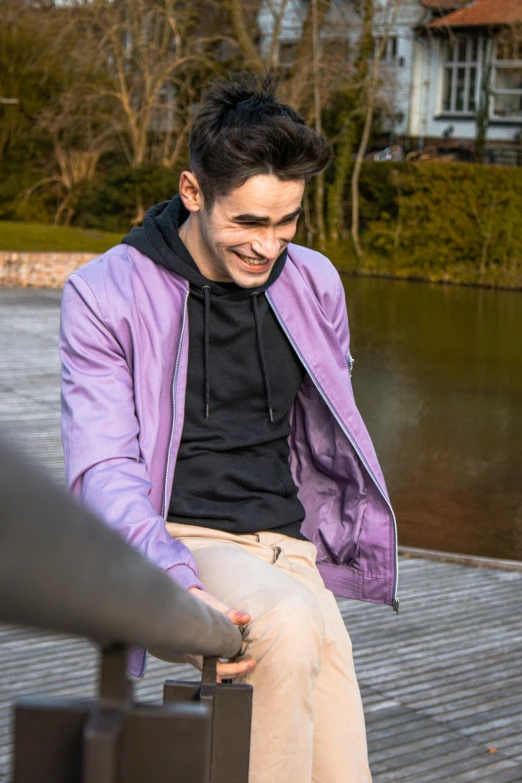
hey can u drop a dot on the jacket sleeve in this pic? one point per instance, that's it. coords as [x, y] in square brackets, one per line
[339, 319]
[100, 431]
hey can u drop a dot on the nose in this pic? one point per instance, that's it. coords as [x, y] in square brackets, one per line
[266, 243]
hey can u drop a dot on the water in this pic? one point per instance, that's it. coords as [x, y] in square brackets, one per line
[438, 380]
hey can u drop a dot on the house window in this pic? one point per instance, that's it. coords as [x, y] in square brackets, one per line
[389, 54]
[459, 82]
[507, 79]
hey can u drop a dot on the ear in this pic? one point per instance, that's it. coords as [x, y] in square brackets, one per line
[190, 192]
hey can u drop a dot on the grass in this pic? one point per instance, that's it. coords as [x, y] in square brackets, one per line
[38, 237]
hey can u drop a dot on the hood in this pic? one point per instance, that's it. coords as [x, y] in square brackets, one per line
[158, 238]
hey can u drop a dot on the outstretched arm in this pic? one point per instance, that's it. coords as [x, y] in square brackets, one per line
[100, 434]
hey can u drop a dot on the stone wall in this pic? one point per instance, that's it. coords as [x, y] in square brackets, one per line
[40, 270]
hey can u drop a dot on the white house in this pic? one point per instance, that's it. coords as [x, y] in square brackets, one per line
[433, 70]
[455, 48]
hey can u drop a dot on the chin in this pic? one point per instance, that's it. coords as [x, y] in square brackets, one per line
[248, 280]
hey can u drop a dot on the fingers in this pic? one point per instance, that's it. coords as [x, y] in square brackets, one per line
[238, 617]
[227, 670]
[235, 668]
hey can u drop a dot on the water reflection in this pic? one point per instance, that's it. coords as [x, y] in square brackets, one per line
[438, 379]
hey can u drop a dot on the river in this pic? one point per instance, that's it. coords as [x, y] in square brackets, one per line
[438, 379]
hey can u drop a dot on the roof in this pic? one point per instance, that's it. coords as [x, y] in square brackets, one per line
[480, 13]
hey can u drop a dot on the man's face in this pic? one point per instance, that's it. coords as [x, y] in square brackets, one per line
[247, 230]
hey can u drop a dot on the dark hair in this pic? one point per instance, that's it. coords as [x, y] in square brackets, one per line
[241, 130]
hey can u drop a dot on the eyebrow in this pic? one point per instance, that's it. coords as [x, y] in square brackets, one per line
[248, 218]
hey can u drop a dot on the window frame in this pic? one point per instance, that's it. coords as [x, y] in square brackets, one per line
[451, 63]
[505, 65]
[390, 55]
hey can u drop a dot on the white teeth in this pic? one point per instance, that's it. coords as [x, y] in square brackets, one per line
[251, 261]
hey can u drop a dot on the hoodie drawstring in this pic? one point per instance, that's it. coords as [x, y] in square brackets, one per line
[262, 355]
[206, 291]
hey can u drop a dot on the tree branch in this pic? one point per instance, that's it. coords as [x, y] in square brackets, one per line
[244, 39]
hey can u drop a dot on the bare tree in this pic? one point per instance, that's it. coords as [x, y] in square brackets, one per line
[350, 114]
[319, 183]
[302, 73]
[369, 96]
[304, 67]
[318, 74]
[150, 57]
[79, 137]
[138, 45]
[314, 71]
[277, 9]
[67, 118]
[243, 20]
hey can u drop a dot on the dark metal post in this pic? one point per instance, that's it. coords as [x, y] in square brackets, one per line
[230, 706]
[103, 730]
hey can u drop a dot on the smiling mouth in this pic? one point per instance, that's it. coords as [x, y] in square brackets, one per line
[249, 261]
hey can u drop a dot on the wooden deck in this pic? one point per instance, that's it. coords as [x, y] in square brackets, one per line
[441, 682]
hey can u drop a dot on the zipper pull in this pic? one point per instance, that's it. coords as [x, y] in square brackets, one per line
[395, 605]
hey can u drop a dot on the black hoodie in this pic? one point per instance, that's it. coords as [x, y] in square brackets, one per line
[232, 470]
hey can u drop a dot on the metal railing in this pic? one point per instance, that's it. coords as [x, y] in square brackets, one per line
[61, 569]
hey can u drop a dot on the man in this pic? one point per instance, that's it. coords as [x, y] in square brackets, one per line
[208, 416]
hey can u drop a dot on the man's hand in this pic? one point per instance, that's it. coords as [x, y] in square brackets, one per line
[224, 670]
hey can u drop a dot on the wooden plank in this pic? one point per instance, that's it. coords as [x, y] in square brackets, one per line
[488, 772]
[510, 774]
[478, 692]
[467, 560]
[421, 749]
[466, 681]
[502, 732]
[444, 768]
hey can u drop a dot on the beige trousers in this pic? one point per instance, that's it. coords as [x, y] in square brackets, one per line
[307, 722]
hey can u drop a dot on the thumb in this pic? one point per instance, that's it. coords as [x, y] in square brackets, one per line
[238, 617]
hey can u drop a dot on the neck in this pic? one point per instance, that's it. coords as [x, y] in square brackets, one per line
[191, 236]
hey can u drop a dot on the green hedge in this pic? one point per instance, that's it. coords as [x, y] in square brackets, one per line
[106, 204]
[437, 221]
[109, 203]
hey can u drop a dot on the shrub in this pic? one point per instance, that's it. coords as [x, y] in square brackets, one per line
[109, 203]
[448, 222]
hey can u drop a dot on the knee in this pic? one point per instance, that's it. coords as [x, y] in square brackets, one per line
[291, 630]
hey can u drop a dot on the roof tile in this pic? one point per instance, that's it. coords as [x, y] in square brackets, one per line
[479, 13]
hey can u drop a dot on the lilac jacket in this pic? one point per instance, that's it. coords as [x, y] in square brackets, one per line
[124, 350]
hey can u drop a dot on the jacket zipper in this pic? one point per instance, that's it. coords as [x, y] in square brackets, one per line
[174, 384]
[395, 600]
